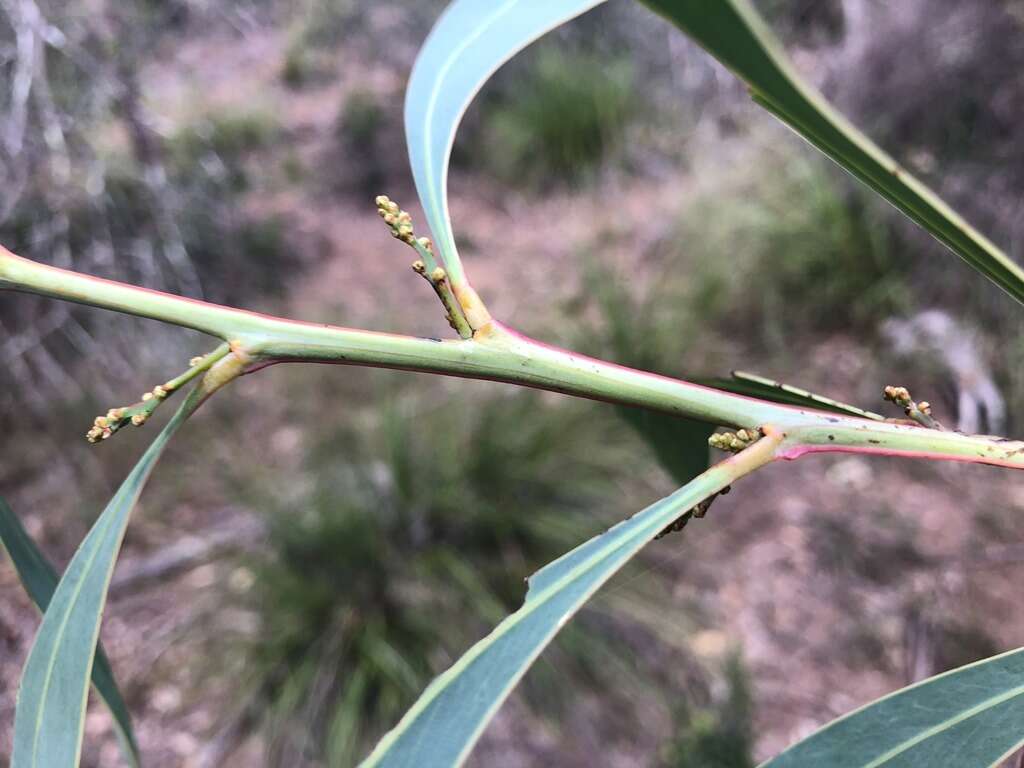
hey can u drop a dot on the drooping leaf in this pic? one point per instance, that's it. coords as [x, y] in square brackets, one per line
[752, 385]
[444, 724]
[40, 580]
[469, 42]
[971, 716]
[50, 715]
[733, 33]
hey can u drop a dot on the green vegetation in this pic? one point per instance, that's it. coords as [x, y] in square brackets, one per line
[321, 27]
[791, 227]
[361, 145]
[426, 530]
[220, 142]
[558, 120]
[721, 734]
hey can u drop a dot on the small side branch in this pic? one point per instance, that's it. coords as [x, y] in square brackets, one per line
[438, 280]
[426, 265]
[104, 427]
[920, 413]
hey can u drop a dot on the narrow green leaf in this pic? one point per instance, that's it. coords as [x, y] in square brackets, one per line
[469, 42]
[40, 580]
[50, 715]
[971, 716]
[752, 385]
[733, 33]
[445, 723]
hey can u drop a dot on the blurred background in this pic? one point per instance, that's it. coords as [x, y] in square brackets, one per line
[320, 542]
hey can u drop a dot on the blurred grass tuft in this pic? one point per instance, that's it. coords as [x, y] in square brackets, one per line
[395, 552]
[561, 116]
[720, 734]
[789, 247]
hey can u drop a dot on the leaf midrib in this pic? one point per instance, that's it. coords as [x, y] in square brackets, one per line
[946, 724]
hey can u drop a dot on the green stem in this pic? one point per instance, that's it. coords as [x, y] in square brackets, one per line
[19, 274]
[139, 413]
[500, 354]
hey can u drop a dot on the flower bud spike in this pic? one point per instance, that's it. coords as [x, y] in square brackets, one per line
[104, 427]
[920, 413]
[400, 223]
[734, 442]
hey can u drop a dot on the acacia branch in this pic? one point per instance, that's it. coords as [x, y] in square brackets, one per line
[497, 353]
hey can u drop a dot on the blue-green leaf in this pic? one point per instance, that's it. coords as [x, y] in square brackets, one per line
[443, 725]
[972, 717]
[469, 42]
[50, 715]
[733, 33]
[40, 580]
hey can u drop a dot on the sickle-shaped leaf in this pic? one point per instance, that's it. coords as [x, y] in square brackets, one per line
[733, 33]
[443, 725]
[40, 580]
[469, 42]
[50, 715]
[971, 716]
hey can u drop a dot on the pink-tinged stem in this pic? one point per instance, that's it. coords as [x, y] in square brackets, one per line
[498, 353]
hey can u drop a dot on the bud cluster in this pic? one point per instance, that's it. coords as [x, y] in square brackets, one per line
[898, 395]
[919, 412]
[734, 442]
[399, 221]
[103, 427]
[426, 265]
